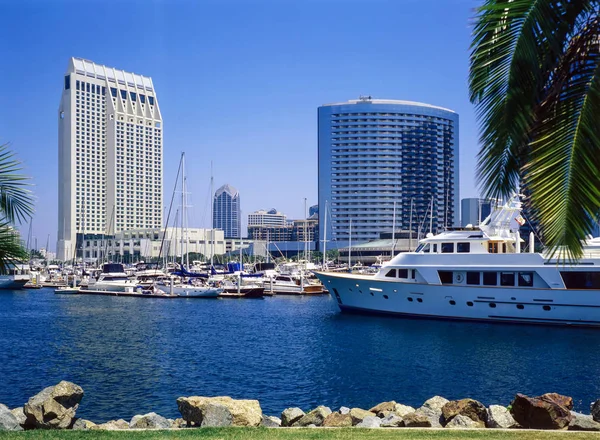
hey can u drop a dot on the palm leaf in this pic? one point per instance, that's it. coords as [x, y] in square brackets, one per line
[11, 250]
[16, 200]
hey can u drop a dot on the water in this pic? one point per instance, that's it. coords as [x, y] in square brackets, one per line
[133, 356]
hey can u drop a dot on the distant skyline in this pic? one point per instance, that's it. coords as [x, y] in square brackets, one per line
[239, 81]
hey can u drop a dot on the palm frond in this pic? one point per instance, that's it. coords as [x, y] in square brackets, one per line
[11, 250]
[16, 200]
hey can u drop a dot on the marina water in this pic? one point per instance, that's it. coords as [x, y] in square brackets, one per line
[134, 356]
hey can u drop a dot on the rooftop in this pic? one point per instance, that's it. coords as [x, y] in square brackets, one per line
[93, 70]
[228, 189]
[370, 100]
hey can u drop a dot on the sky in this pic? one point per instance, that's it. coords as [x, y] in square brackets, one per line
[238, 84]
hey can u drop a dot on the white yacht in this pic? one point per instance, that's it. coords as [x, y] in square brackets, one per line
[478, 274]
[15, 278]
[113, 279]
[196, 291]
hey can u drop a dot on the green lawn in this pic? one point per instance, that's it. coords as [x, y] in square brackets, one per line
[306, 433]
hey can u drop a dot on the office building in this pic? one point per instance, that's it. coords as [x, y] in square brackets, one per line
[110, 154]
[474, 211]
[375, 154]
[227, 214]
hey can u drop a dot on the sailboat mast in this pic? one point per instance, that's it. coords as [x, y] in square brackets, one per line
[350, 248]
[431, 216]
[212, 224]
[182, 203]
[410, 226]
[393, 229]
[325, 237]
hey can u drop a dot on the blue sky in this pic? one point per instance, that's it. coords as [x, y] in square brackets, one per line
[238, 83]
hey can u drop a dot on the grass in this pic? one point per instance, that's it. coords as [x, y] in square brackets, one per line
[306, 433]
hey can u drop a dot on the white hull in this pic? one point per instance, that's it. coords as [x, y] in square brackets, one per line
[355, 293]
[114, 286]
[196, 291]
[13, 282]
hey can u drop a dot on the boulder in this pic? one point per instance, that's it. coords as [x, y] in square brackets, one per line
[559, 399]
[391, 421]
[243, 412]
[149, 421]
[543, 412]
[291, 415]
[8, 422]
[416, 420]
[500, 417]
[384, 406]
[314, 417]
[460, 421]
[20, 415]
[179, 423]
[337, 420]
[595, 409]
[434, 416]
[470, 408]
[270, 422]
[54, 407]
[401, 410]
[344, 410]
[358, 415]
[436, 403]
[370, 422]
[83, 425]
[583, 422]
[112, 425]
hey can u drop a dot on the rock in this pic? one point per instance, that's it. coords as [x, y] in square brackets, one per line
[291, 415]
[402, 410]
[358, 415]
[500, 417]
[215, 415]
[434, 416]
[243, 412]
[436, 403]
[344, 410]
[270, 422]
[559, 399]
[460, 421]
[149, 421]
[337, 420]
[583, 422]
[416, 420]
[391, 421]
[8, 422]
[20, 415]
[384, 406]
[595, 409]
[179, 423]
[54, 407]
[541, 412]
[83, 425]
[370, 422]
[312, 425]
[470, 408]
[314, 417]
[112, 425]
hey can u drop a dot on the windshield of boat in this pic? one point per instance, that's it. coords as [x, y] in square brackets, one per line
[423, 247]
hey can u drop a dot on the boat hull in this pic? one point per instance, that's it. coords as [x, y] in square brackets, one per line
[362, 294]
[13, 282]
[196, 292]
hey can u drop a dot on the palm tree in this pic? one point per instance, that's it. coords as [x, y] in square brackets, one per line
[16, 205]
[535, 81]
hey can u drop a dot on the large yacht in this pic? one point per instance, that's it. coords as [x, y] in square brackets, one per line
[478, 274]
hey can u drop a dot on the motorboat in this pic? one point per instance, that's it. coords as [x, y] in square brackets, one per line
[16, 277]
[113, 278]
[479, 273]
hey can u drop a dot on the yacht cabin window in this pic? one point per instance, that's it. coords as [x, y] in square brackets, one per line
[391, 273]
[463, 248]
[490, 278]
[473, 278]
[402, 273]
[507, 278]
[446, 277]
[435, 248]
[525, 279]
[413, 273]
[447, 248]
[423, 248]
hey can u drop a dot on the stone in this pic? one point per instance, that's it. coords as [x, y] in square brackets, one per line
[543, 412]
[402, 410]
[470, 408]
[54, 407]
[583, 422]
[559, 399]
[83, 425]
[270, 422]
[370, 422]
[337, 420]
[434, 416]
[499, 417]
[216, 415]
[416, 420]
[20, 415]
[436, 403]
[358, 415]
[291, 415]
[149, 421]
[314, 417]
[595, 409]
[179, 423]
[384, 406]
[460, 421]
[344, 410]
[112, 425]
[8, 422]
[243, 412]
[391, 421]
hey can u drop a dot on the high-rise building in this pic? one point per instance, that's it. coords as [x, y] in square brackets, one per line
[473, 211]
[110, 154]
[269, 225]
[375, 154]
[227, 214]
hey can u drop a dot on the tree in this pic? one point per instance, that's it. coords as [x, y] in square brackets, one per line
[16, 205]
[535, 81]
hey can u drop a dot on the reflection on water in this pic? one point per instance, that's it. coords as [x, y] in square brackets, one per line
[134, 356]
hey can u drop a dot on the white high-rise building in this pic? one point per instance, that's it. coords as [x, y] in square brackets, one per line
[110, 154]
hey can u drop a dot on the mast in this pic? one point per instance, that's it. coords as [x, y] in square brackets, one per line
[325, 238]
[305, 238]
[410, 226]
[212, 220]
[350, 248]
[431, 216]
[182, 204]
[394, 230]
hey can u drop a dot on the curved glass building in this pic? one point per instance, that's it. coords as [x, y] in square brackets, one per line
[374, 152]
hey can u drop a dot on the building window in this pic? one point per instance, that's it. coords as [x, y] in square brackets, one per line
[67, 82]
[133, 96]
[123, 94]
[151, 100]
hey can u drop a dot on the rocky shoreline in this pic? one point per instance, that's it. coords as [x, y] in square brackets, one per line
[55, 407]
